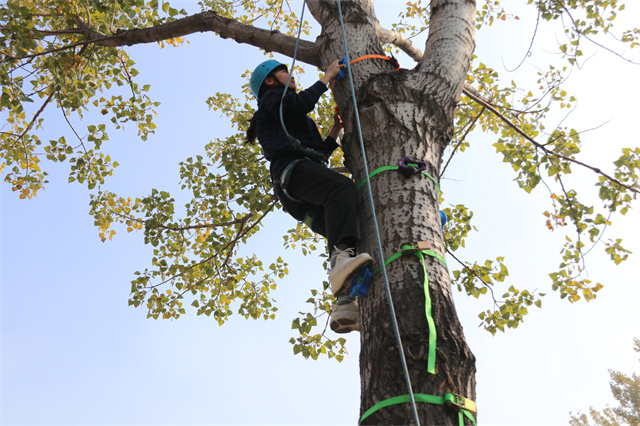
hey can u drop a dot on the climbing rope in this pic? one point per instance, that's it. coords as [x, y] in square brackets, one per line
[394, 320]
[311, 153]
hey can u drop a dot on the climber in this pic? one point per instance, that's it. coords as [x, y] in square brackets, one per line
[308, 190]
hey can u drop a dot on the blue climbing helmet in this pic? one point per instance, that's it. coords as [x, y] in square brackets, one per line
[260, 73]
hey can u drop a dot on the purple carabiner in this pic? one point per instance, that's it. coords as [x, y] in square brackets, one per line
[409, 167]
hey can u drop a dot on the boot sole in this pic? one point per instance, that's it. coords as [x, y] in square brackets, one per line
[344, 326]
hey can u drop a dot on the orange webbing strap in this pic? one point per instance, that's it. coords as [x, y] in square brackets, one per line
[391, 59]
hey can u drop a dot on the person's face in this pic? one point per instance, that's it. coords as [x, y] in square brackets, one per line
[283, 75]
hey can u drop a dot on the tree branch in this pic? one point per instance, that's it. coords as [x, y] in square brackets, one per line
[469, 127]
[404, 44]
[582, 34]
[400, 41]
[271, 41]
[473, 94]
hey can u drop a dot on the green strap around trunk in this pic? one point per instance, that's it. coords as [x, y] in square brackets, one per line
[431, 359]
[421, 397]
[385, 168]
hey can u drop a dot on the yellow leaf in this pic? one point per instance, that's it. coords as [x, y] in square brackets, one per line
[575, 298]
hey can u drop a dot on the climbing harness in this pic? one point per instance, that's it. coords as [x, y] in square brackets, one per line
[464, 406]
[283, 183]
[285, 177]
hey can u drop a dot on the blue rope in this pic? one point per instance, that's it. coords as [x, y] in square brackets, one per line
[296, 143]
[394, 319]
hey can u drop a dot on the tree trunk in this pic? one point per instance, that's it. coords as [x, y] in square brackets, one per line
[407, 211]
[404, 113]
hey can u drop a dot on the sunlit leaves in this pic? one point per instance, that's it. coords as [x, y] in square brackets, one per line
[627, 172]
[458, 226]
[583, 19]
[195, 258]
[413, 20]
[511, 310]
[46, 65]
[312, 342]
[535, 155]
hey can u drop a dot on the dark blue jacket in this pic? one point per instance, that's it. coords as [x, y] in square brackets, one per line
[278, 149]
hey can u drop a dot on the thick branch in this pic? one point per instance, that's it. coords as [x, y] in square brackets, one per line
[271, 41]
[400, 41]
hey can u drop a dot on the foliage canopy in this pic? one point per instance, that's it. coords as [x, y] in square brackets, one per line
[72, 55]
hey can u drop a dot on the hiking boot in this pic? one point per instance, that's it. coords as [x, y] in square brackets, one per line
[344, 266]
[345, 316]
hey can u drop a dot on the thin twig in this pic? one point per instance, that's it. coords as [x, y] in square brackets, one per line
[535, 31]
[495, 302]
[461, 140]
[541, 146]
[575, 26]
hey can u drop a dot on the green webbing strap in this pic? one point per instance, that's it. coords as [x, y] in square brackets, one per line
[431, 359]
[421, 397]
[399, 254]
[385, 168]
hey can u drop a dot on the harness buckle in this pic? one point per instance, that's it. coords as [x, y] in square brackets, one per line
[409, 167]
[413, 247]
[459, 402]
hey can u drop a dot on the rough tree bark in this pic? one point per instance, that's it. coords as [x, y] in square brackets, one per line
[403, 113]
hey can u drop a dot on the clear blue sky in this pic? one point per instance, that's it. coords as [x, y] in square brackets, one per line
[73, 352]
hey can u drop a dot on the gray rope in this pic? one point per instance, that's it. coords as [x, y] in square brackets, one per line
[394, 320]
[312, 153]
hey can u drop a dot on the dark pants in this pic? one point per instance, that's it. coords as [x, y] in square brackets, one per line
[328, 197]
